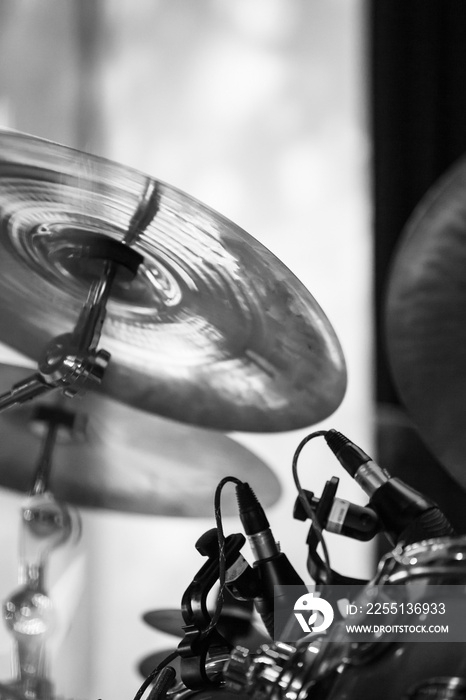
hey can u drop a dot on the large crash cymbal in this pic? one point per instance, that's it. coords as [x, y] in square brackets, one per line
[128, 460]
[426, 321]
[214, 331]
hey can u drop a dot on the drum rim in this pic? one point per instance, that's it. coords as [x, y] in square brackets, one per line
[425, 551]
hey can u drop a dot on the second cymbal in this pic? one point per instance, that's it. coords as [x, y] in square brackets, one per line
[426, 329]
[171, 621]
[129, 460]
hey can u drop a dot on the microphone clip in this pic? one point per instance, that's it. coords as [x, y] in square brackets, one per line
[195, 646]
[337, 516]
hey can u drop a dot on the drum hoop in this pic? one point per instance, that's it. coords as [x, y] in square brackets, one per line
[425, 572]
[444, 549]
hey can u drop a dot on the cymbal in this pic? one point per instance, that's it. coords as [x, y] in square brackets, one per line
[128, 460]
[171, 621]
[425, 321]
[234, 629]
[213, 331]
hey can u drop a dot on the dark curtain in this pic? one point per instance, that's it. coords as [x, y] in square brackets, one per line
[418, 122]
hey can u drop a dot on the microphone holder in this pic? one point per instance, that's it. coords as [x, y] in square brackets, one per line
[315, 564]
[196, 644]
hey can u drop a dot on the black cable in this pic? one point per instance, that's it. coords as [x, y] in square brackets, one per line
[307, 506]
[222, 580]
[221, 553]
[153, 674]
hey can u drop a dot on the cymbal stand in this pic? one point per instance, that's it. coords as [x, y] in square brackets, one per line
[71, 361]
[46, 524]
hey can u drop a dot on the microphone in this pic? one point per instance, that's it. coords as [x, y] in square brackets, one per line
[274, 569]
[405, 514]
[340, 516]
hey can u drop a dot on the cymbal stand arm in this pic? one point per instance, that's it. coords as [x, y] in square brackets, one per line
[25, 390]
[72, 360]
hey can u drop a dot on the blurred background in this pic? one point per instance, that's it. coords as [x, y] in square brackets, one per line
[296, 120]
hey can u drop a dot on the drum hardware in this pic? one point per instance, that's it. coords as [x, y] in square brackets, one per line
[338, 516]
[200, 636]
[203, 651]
[213, 666]
[439, 688]
[331, 666]
[235, 624]
[202, 639]
[275, 671]
[46, 524]
[441, 559]
[71, 361]
[258, 583]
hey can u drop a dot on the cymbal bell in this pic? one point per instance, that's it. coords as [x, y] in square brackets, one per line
[425, 320]
[128, 460]
[214, 330]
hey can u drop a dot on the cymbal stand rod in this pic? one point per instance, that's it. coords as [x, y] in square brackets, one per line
[88, 329]
[28, 612]
[71, 361]
[23, 391]
[46, 524]
[44, 465]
